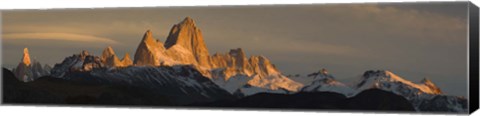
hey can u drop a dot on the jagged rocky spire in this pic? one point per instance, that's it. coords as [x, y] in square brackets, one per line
[147, 51]
[183, 34]
[109, 58]
[324, 71]
[186, 35]
[84, 53]
[240, 57]
[28, 69]
[427, 82]
[126, 60]
[26, 57]
[107, 53]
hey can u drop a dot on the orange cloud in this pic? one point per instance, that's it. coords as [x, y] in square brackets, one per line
[58, 36]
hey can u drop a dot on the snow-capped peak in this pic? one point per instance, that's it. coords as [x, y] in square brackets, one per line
[423, 96]
[322, 81]
[322, 74]
[387, 80]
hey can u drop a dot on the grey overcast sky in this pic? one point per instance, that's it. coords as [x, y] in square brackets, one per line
[413, 40]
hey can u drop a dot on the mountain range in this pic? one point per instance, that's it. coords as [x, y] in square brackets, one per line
[181, 71]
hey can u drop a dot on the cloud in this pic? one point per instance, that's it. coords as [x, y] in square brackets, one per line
[91, 28]
[59, 36]
[409, 22]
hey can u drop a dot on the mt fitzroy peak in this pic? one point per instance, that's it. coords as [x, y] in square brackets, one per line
[184, 45]
[232, 71]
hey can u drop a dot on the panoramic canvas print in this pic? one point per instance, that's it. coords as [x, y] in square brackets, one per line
[398, 57]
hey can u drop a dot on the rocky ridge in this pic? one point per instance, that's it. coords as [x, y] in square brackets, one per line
[185, 46]
[28, 70]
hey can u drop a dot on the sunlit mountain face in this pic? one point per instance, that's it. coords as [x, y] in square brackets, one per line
[330, 61]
